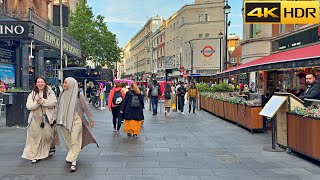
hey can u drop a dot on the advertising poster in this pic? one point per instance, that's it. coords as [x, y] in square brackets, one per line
[7, 74]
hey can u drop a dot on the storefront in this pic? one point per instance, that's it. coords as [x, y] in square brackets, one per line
[27, 48]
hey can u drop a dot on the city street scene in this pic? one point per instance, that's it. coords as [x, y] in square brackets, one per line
[159, 90]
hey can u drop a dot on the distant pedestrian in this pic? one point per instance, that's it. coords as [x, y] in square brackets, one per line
[71, 114]
[132, 110]
[181, 92]
[40, 132]
[114, 103]
[124, 87]
[192, 96]
[107, 90]
[167, 99]
[154, 94]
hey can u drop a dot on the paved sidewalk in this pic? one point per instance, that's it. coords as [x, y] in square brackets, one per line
[179, 147]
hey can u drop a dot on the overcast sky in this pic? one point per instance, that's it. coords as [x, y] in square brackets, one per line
[126, 17]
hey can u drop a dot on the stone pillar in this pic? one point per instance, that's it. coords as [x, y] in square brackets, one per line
[39, 64]
[24, 60]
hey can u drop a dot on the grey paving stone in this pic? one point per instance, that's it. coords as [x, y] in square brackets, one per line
[160, 171]
[143, 177]
[196, 172]
[151, 164]
[124, 171]
[180, 178]
[103, 177]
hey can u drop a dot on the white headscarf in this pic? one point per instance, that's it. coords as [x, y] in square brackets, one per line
[67, 104]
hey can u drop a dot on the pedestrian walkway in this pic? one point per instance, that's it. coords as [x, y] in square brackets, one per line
[178, 147]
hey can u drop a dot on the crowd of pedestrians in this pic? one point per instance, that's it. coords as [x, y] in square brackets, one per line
[65, 106]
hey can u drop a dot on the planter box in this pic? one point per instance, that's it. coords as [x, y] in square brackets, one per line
[248, 117]
[219, 108]
[230, 112]
[16, 111]
[303, 135]
[211, 105]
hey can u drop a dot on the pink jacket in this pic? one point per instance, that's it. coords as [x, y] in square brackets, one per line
[110, 103]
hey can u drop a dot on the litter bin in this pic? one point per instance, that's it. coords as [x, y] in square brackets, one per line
[16, 110]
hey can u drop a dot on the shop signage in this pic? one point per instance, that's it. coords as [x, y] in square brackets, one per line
[55, 41]
[13, 29]
[302, 38]
[6, 55]
[207, 51]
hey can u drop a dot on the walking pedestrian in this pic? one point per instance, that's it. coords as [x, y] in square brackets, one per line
[181, 92]
[107, 90]
[154, 94]
[192, 96]
[114, 103]
[71, 115]
[132, 109]
[167, 99]
[40, 132]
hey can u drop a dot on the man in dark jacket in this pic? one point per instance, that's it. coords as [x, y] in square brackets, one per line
[312, 91]
[181, 92]
[154, 94]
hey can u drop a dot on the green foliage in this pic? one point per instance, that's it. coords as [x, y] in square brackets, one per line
[15, 90]
[234, 100]
[92, 32]
[311, 111]
[223, 87]
[203, 87]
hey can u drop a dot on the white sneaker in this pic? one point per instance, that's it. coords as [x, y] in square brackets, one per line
[182, 113]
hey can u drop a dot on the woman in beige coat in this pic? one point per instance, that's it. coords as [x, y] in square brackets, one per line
[71, 115]
[40, 132]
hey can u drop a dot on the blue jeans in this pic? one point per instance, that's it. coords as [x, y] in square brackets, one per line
[154, 102]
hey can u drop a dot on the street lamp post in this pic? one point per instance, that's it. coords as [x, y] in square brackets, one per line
[191, 46]
[226, 9]
[220, 36]
[61, 42]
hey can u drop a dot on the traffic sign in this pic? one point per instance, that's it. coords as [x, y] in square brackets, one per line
[207, 51]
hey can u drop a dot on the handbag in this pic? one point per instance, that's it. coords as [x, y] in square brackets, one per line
[44, 118]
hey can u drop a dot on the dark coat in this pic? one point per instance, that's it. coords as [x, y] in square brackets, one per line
[130, 113]
[312, 92]
[150, 90]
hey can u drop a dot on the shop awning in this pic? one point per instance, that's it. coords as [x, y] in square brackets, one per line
[302, 57]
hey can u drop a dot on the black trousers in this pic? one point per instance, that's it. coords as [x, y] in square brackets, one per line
[180, 103]
[117, 117]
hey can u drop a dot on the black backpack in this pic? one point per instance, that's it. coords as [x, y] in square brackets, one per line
[117, 98]
[135, 101]
[167, 95]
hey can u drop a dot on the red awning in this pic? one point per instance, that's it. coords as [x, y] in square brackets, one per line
[308, 52]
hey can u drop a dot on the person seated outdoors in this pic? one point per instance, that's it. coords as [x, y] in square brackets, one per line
[312, 91]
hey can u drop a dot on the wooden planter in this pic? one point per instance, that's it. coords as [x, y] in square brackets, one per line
[211, 105]
[248, 117]
[219, 108]
[204, 103]
[230, 112]
[303, 135]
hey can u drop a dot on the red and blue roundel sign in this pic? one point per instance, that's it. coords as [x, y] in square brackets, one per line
[207, 51]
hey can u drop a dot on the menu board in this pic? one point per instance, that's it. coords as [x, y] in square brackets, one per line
[6, 55]
[273, 105]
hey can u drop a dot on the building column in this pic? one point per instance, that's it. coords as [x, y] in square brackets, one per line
[24, 62]
[39, 64]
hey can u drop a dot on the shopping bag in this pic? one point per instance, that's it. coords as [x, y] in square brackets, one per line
[174, 106]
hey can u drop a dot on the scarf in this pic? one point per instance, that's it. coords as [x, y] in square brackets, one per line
[67, 104]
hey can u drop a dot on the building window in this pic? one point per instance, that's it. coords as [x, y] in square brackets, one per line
[282, 28]
[207, 17]
[255, 30]
[207, 35]
[174, 26]
[174, 43]
[200, 35]
[234, 60]
[296, 26]
[200, 17]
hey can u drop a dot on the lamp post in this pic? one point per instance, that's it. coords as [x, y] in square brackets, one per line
[220, 36]
[226, 9]
[191, 46]
[61, 42]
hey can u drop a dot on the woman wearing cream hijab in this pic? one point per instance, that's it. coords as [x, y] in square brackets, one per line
[72, 112]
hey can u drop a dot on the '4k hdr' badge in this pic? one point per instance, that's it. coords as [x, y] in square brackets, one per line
[282, 12]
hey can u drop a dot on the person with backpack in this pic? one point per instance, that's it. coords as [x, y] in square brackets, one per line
[192, 97]
[154, 94]
[132, 110]
[181, 92]
[114, 103]
[167, 99]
